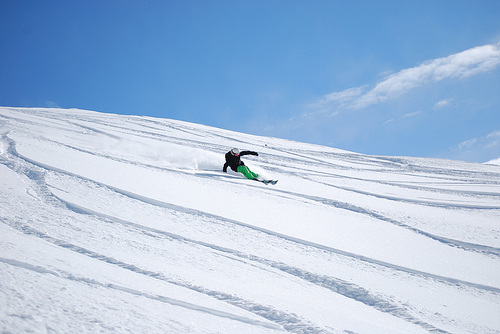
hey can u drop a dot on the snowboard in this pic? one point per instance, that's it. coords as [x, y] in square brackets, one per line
[273, 182]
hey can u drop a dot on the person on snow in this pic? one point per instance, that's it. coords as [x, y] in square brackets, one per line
[233, 160]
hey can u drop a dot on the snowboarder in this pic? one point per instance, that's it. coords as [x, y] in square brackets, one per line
[233, 160]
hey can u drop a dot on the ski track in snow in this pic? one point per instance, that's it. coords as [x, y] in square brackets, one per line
[135, 292]
[277, 319]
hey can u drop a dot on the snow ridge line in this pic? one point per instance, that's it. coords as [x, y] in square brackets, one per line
[155, 135]
[404, 200]
[392, 162]
[357, 209]
[336, 285]
[195, 212]
[298, 240]
[467, 246]
[159, 298]
[400, 199]
[415, 201]
[311, 173]
[289, 321]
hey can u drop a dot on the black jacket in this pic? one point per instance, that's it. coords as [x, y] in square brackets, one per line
[234, 161]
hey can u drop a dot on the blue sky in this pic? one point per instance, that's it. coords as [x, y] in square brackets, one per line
[415, 78]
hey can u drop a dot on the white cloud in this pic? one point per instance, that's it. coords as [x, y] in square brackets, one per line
[51, 104]
[479, 149]
[467, 145]
[442, 104]
[493, 139]
[405, 116]
[413, 114]
[341, 97]
[494, 134]
[460, 66]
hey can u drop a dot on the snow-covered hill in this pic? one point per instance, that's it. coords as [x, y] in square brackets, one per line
[123, 224]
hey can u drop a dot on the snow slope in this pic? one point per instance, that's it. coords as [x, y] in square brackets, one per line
[126, 224]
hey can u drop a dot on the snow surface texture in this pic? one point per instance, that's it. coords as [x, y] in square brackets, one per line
[123, 224]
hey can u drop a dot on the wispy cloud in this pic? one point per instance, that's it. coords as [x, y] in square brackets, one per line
[457, 66]
[441, 104]
[345, 96]
[481, 148]
[51, 104]
[405, 116]
[412, 114]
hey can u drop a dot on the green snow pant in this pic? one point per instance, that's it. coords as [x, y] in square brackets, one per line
[247, 172]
